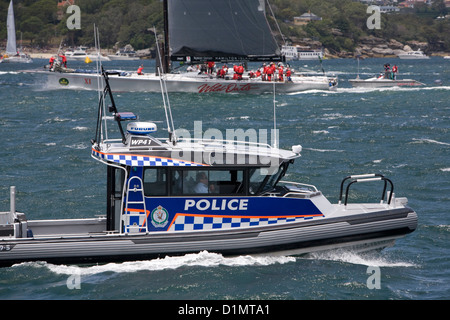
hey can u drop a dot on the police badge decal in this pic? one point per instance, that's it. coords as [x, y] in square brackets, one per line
[160, 217]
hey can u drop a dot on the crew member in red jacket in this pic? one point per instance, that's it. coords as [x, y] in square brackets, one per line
[211, 65]
[280, 74]
[52, 61]
[288, 75]
[270, 71]
[139, 71]
[238, 72]
[64, 60]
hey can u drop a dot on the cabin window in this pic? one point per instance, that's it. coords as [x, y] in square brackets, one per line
[262, 179]
[155, 182]
[220, 182]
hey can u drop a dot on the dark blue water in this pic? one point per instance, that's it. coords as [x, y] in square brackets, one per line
[401, 133]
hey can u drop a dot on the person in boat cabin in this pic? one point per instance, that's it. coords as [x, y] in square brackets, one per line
[139, 71]
[202, 184]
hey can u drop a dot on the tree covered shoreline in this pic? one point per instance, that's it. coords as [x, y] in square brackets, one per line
[341, 31]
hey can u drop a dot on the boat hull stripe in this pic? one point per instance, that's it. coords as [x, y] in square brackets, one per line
[143, 161]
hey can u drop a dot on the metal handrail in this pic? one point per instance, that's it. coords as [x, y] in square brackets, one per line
[314, 188]
[366, 178]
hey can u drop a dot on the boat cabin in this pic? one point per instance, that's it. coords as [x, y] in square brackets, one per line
[178, 184]
[148, 189]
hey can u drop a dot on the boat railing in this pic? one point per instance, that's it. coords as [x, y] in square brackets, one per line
[306, 190]
[213, 143]
[218, 143]
[366, 178]
[306, 187]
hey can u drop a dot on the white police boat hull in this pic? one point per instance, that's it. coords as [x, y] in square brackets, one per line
[88, 241]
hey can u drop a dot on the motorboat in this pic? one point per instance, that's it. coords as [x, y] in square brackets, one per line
[124, 54]
[13, 55]
[381, 82]
[179, 195]
[387, 79]
[80, 54]
[413, 55]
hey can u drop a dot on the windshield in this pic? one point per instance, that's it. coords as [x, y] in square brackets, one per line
[261, 181]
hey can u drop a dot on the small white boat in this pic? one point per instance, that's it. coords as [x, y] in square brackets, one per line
[125, 55]
[413, 55]
[80, 54]
[380, 82]
[388, 79]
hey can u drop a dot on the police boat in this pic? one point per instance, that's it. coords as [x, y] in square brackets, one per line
[173, 196]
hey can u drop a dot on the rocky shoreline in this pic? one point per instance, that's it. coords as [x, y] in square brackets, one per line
[368, 47]
[373, 47]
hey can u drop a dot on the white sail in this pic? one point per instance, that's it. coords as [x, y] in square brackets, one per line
[11, 48]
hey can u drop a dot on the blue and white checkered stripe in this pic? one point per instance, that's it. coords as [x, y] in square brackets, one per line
[187, 223]
[143, 161]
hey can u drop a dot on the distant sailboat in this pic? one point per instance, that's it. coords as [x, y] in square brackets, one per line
[12, 54]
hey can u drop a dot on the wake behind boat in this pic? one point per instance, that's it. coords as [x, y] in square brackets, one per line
[172, 196]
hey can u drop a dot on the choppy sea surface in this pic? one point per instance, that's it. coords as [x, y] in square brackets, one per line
[403, 133]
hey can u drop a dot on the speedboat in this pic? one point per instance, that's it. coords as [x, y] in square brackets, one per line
[413, 55]
[80, 54]
[381, 82]
[179, 195]
[124, 54]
